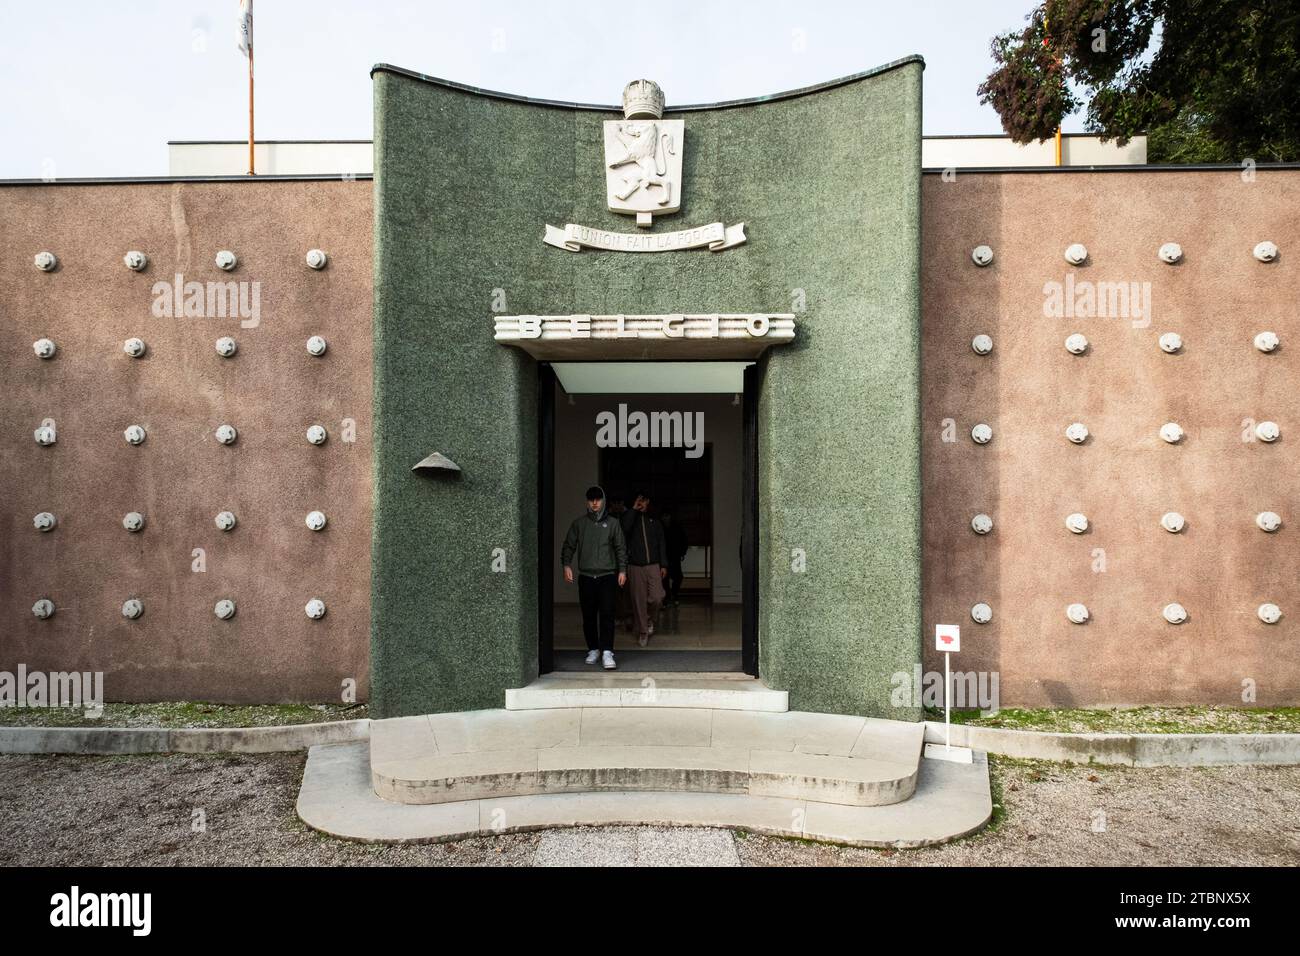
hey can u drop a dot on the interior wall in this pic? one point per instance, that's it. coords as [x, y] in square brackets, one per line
[577, 463]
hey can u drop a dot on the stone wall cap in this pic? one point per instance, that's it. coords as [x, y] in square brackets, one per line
[693, 107]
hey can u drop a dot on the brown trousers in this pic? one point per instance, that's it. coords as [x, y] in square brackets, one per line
[646, 591]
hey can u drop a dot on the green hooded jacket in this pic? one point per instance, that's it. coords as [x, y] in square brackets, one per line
[596, 538]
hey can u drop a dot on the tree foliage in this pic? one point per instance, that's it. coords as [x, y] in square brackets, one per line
[1206, 80]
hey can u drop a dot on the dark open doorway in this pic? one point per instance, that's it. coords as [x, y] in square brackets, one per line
[713, 625]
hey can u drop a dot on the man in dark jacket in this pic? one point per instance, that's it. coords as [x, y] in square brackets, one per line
[646, 557]
[675, 538]
[595, 547]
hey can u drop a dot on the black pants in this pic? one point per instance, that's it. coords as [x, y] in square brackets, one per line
[674, 579]
[596, 595]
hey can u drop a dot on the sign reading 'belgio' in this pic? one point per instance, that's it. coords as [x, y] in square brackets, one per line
[716, 335]
[643, 178]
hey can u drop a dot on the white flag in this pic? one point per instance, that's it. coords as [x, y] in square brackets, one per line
[246, 27]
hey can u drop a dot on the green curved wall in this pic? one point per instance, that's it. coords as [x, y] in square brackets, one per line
[828, 182]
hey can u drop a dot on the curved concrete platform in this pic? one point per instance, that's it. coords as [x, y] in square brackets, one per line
[951, 800]
[825, 758]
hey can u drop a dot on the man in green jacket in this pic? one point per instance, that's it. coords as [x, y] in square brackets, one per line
[595, 547]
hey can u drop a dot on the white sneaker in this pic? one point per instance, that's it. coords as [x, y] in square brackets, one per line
[591, 656]
[609, 661]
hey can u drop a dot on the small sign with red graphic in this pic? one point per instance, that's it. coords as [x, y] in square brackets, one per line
[947, 637]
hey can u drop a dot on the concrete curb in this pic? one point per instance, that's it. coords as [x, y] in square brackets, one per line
[189, 740]
[1126, 750]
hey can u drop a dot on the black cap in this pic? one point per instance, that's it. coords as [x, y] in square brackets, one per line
[595, 492]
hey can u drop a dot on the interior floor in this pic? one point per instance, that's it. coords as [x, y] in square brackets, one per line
[692, 635]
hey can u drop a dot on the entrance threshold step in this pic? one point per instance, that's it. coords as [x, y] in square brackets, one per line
[630, 689]
[826, 758]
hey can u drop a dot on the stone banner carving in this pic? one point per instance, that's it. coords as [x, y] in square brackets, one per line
[715, 236]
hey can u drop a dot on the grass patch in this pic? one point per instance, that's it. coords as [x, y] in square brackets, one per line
[1137, 720]
[178, 714]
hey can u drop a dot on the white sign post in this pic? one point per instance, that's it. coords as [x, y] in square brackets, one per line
[947, 640]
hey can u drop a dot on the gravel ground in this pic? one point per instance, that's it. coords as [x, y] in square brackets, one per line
[62, 810]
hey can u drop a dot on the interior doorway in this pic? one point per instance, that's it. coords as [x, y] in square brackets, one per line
[679, 434]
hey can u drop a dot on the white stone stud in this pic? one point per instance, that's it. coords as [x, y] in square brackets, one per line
[1266, 251]
[1172, 522]
[135, 260]
[1076, 344]
[134, 347]
[981, 613]
[46, 261]
[225, 609]
[226, 434]
[317, 434]
[226, 346]
[981, 345]
[43, 608]
[1269, 613]
[1268, 431]
[1077, 613]
[1267, 341]
[1170, 252]
[1077, 522]
[316, 345]
[981, 524]
[1076, 254]
[315, 609]
[1171, 342]
[132, 608]
[1171, 432]
[981, 255]
[1268, 521]
[45, 435]
[316, 520]
[45, 521]
[226, 260]
[133, 522]
[1077, 433]
[1175, 613]
[44, 348]
[316, 258]
[226, 520]
[134, 434]
[981, 434]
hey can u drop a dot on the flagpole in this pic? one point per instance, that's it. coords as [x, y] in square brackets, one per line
[251, 169]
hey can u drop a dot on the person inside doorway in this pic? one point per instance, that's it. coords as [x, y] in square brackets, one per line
[676, 546]
[617, 506]
[647, 567]
[596, 549]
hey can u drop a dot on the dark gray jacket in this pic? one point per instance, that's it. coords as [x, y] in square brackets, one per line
[596, 541]
[645, 538]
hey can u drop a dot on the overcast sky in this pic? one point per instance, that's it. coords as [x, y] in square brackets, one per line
[98, 87]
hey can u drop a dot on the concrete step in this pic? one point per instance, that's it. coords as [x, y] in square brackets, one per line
[826, 758]
[951, 801]
[707, 691]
